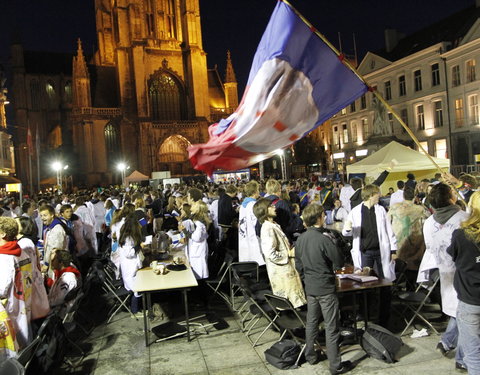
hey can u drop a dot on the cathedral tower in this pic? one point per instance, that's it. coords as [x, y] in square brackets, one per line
[231, 86]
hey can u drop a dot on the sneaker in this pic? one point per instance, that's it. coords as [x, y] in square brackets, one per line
[460, 367]
[442, 349]
[343, 368]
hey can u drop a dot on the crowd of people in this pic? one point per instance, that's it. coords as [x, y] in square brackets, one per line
[47, 244]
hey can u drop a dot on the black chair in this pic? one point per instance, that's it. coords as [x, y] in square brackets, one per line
[222, 277]
[416, 301]
[26, 355]
[289, 319]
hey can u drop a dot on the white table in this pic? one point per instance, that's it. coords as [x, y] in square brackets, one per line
[146, 282]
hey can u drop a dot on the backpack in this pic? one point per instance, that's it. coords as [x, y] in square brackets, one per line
[283, 354]
[380, 343]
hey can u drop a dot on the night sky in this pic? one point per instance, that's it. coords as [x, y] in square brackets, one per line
[54, 25]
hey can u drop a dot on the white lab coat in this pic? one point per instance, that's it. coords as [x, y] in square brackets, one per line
[386, 239]
[437, 238]
[130, 262]
[345, 194]
[248, 244]
[396, 197]
[197, 249]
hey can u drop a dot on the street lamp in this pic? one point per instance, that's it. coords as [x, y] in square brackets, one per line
[281, 153]
[58, 167]
[122, 167]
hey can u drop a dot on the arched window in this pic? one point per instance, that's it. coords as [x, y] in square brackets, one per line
[35, 94]
[68, 91]
[174, 150]
[112, 143]
[50, 90]
[166, 98]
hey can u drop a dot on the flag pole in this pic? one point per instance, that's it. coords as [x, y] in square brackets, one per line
[354, 71]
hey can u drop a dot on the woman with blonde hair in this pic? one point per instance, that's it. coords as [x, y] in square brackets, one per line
[465, 252]
[279, 257]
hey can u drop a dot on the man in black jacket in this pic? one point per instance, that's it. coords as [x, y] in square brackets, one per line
[316, 259]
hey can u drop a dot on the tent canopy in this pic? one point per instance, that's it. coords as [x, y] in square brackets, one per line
[136, 176]
[402, 159]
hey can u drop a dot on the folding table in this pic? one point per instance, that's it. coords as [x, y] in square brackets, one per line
[147, 282]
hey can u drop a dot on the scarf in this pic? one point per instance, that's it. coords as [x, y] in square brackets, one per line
[443, 214]
[247, 201]
[59, 273]
[11, 248]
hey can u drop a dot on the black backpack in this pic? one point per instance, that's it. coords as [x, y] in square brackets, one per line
[380, 343]
[283, 354]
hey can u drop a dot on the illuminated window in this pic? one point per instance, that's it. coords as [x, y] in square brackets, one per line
[68, 91]
[170, 19]
[425, 147]
[343, 111]
[417, 80]
[112, 144]
[345, 133]
[441, 148]
[459, 114]
[438, 114]
[354, 132]
[402, 86]
[470, 70]
[50, 89]
[473, 109]
[388, 91]
[435, 75]
[456, 76]
[420, 117]
[166, 98]
[336, 136]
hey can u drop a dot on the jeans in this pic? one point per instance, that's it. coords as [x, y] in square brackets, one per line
[468, 321]
[373, 259]
[449, 339]
[328, 306]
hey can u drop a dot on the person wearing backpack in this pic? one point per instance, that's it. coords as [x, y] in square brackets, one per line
[316, 259]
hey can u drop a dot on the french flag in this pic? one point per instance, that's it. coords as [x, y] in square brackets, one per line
[296, 83]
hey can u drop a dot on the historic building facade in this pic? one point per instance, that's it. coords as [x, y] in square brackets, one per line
[430, 80]
[142, 98]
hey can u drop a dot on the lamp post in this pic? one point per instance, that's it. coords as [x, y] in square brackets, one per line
[281, 153]
[122, 167]
[58, 167]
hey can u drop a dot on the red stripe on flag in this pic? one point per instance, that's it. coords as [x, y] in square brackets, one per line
[259, 113]
[279, 126]
[293, 137]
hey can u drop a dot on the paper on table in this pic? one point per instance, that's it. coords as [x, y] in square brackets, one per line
[359, 278]
[148, 240]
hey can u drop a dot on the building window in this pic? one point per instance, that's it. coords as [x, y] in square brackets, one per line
[343, 111]
[366, 132]
[336, 138]
[441, 148]
[112, 144]
[456, 76]
[435, 75]
[388, 91]
[390, 121]
[438, 115]
[345, 133]
[417, 79]
[459, 112]
[402, 86]
[352, 107]
[35, 95]
[166, 98]
[425, 147]
[470, 67]
[404, 117]
[354, 132]
[363, 102]
[68, 91]
[473, 109]
[420, 118]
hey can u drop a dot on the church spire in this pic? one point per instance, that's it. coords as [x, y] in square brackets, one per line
[79, 65]
[229, 73]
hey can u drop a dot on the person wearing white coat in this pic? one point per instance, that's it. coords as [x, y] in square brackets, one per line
[373, 242]
[248, 243]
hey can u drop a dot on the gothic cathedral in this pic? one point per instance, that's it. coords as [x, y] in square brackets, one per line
[143, 97]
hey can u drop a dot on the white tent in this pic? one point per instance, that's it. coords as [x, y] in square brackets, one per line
[402, 159]
[136, 176]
